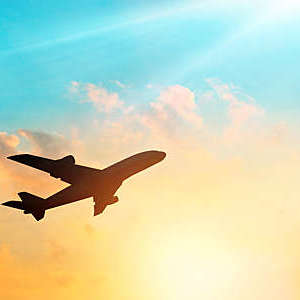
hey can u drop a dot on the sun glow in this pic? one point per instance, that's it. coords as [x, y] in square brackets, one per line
[194, 268]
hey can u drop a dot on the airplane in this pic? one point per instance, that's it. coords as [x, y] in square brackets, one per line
[84, 181]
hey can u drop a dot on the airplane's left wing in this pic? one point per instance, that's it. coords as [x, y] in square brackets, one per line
[64, 168]
[41, 163]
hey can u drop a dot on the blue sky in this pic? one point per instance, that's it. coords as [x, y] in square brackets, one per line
[45, 46]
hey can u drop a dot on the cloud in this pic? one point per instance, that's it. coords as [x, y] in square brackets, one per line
[179, 100]
[103, 100]
[8, 173]
[45, 143]
[221, 118]
[173, 111]
[120, 84]
[33, 278]
[174, 101]
[241, 109]
[52, 266]
[175, 115]
[14, 177]
[56, 252]
[90, 230]
[8, 143]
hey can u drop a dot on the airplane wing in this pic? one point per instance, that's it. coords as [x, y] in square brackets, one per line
[64, 168]
[69, 194]
[100, 205]
[102, 201]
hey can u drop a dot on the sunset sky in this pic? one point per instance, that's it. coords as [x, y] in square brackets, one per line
[214, 84]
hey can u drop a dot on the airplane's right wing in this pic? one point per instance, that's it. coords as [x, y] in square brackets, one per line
[102, 201]
[64, 168]
[100, 205]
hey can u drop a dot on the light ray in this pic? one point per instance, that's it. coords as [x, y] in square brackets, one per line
[267, 13]
[154, 16]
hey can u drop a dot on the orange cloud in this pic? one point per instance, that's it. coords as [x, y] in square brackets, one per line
[8, 143]
[30, 278]
[15, 177]
[46, 144]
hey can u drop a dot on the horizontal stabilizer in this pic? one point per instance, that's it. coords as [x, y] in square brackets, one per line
[33, 204]
[14, 204]
[30, 204]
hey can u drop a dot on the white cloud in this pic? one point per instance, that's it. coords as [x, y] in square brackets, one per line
[241, 109]
[120, 84]
[179, 100]
[103, 100]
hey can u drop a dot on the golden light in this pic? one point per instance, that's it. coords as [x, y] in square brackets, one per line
[188, 266]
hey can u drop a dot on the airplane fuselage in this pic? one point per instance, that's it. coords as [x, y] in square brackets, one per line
[107, 181]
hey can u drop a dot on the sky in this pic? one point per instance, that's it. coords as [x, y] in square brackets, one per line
[212, 83]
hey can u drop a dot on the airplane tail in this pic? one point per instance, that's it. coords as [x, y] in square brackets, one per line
[30, 204]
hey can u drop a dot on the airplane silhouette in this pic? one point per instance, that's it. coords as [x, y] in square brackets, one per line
[85, 182]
